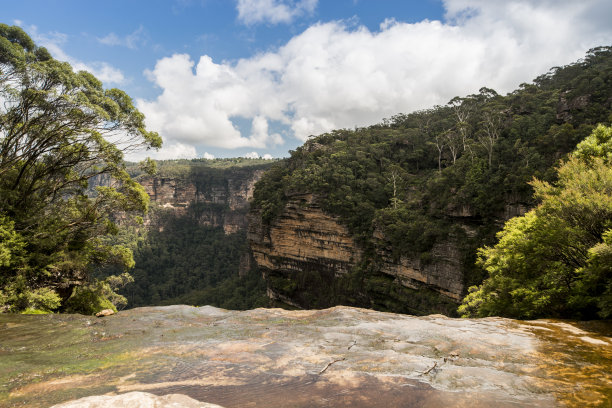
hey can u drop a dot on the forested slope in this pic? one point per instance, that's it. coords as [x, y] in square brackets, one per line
[447, 177]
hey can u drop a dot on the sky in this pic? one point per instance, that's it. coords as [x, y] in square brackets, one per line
[256, 78]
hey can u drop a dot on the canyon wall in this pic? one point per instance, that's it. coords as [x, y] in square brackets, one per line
[307, 258]
[213, 202]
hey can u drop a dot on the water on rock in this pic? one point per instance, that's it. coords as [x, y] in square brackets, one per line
[322, 358]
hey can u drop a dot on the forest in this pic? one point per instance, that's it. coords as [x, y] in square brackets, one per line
[460, 170]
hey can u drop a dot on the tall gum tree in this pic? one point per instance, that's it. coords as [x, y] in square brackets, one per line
[60, 130]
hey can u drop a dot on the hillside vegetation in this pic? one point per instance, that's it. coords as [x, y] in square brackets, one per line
[459, 170]
[183, 255]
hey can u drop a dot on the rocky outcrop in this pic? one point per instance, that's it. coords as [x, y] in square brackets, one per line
[442, 272]
[302, 238]
[136, 399]
[566, 106]
[306, 253]
[222, 202]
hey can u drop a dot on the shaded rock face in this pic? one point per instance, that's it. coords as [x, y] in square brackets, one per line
[442, 274]
[337, 357]
[305, 253]
[219, 203]
[565, 107]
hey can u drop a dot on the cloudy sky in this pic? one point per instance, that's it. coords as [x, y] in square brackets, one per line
[225, 78]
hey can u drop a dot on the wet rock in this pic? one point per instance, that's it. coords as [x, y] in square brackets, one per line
[137, 400]
[309, 358]
[105, 312]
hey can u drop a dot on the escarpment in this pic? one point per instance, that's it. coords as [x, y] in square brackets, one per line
[309, 259]
[219, 202]
[192, 247]
[303, 237]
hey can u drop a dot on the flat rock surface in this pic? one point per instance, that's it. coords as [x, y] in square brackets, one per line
[322, 358]
[136, 399]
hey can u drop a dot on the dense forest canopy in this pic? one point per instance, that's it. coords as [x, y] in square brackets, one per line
[556, 260]
[59, 129]
[458, 170]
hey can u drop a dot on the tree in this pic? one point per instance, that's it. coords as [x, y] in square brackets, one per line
[555, 261]
[60, 130]
[490, 128]
[463, 109]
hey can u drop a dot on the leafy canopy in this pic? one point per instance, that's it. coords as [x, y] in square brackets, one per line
[59, 130]
[557, 259]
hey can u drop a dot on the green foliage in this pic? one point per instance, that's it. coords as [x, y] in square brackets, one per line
[17, 296]
[91, 298]
[555, 260]
[180, 261]
[11, 244]
[58, 132]
[598, 144]
[182, 168]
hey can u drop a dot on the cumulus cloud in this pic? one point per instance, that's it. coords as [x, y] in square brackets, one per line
[251, 155]
[169, 150]
[273, 11]
[131, 41]
[54, 41]
[208, 156]
[267, 156]
[198, 103]
[334, 75]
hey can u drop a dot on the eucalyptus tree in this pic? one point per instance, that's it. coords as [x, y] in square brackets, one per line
[556, 260]
[59, 131]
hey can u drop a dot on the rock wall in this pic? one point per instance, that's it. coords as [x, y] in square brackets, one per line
[442, 273]
[220, 203]
[305, 241]
[303, 237]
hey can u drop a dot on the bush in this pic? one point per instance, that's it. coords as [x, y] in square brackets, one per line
[99, 295]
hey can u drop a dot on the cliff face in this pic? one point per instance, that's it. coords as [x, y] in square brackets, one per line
[307, 257]
[217, 203]
[192, 248]
[304, 237]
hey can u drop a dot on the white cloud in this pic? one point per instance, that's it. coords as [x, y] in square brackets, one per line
[208, 156]
[54, 41]
[273, 11]
[333, 76]
[198, 107]
[169, 150]
[251, 155]
[267, 156]
[131, 41]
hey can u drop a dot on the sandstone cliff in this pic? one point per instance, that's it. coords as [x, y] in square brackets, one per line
[221, 202]
[307, 256]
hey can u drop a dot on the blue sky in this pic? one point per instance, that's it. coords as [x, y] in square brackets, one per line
[230, 78]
